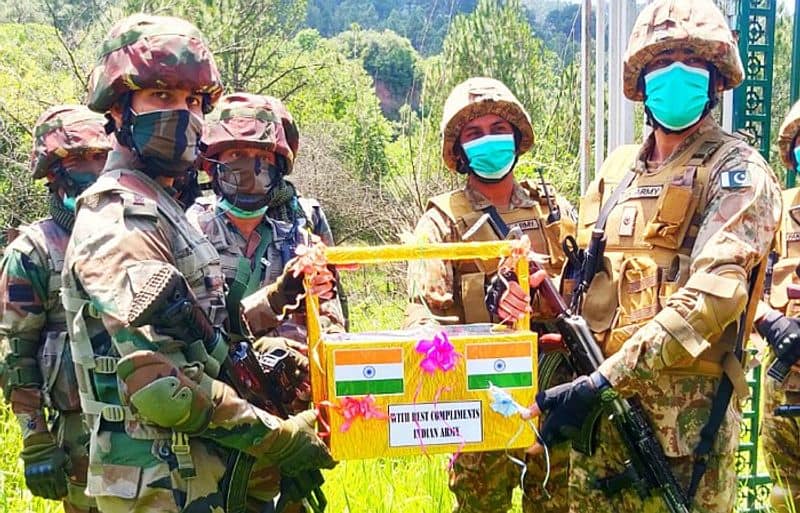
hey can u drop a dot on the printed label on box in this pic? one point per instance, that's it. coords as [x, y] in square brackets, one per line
[435, 423]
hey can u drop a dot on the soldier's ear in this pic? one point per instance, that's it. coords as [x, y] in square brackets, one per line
[116, 114]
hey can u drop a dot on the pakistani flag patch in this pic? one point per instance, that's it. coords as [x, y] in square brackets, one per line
[377, 371]
[736, 179]
[506, 365]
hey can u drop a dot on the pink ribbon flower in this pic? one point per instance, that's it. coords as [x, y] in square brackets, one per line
[439, 353]
[352, 408]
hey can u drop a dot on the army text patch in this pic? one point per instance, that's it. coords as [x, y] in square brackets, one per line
[736, 179]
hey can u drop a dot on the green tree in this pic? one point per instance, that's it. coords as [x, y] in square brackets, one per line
[389, 59]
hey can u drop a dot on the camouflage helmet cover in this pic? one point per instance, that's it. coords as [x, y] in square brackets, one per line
[145, 51]
[786, 138]
[66, 130]
[668, 24]
[476, 97]
[250, 120]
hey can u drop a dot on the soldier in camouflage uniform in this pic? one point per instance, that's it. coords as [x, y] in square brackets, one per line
[70, 148]
[143, 291]
[256, 221]
[483, 121]
[780, 435]
[697, 214]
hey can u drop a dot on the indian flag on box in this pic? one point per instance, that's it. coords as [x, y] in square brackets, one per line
[506, 365]
[376, 371]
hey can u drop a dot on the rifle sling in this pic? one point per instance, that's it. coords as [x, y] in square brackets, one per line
[614, 200]
[720, 403]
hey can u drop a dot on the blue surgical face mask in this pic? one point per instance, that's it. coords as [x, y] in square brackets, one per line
[797, 158]
[677, 95]
[492, 156]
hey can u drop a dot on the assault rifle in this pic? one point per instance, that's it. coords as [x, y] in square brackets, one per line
[646, 469]
[166, 303]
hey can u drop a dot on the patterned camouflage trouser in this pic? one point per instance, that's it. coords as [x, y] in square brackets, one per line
[160, 488]
[716, 493]
[781, 439]
[483, 482]
[72, 436]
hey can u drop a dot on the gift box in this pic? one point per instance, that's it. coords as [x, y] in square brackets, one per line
[427, 389]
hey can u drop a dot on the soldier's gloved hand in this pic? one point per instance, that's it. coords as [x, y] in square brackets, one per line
[783, 335]
[506, 299]
[297, 448]
[45, 466]
[287, 289]
[566, 407]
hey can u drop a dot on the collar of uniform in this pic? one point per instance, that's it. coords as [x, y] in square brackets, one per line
[119, 158]
[706, 125]
[520, 198]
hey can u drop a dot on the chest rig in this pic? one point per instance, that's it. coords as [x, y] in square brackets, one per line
[650, 234]
[194, 257]
[470, 276]
[47, 239]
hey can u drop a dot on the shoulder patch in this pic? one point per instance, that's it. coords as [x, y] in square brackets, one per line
[136, 205]
[735, 179]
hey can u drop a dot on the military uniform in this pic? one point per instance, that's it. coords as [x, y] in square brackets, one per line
[250, 264]
[33, 323]
[680, 246]
[162, 425]
[780, 435]
[444, 291]
[39, 378]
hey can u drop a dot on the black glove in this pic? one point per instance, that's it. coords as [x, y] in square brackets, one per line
[495, 290]
[45, 467]
[783, 335]
[566, 407]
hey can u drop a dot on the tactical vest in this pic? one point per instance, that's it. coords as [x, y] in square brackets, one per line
[60, 388]
[784, 294]
[195, 258]
[470, 276]
[244, 275]
[650, 235]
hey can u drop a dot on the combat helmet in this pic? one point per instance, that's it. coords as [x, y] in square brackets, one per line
[474, 98]
[667, 24]
[787, 135]
[146, 51]
[256, 121]
[66, 130]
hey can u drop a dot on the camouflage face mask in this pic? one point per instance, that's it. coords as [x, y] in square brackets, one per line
[246, 182]
[166, 140]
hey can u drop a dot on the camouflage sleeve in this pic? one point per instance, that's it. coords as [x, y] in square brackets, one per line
[736, 232]
[430, 282]
[24, 286]
[331, 312]
[111, 256]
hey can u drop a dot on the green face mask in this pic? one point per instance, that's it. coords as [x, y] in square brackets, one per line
[797, 158]
[677, 95]
[491, 157]
[227, 206]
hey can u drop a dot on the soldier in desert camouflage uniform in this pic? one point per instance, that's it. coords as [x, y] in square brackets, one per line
[483, 110]
[255, 222]
[698, 214]
[143, 291]
[781, 328]
[70, 148]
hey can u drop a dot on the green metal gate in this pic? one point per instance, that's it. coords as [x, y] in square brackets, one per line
[752, 110]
